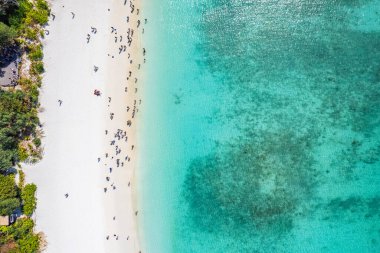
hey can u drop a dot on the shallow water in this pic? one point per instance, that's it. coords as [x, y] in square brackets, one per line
[260, 127]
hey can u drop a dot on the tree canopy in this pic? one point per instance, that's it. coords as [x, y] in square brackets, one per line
[6, 157]
[21, 24]
[29, 199]
[7, 34]
[8, 187]
[8, 195]
[8, 206]
[20, 235]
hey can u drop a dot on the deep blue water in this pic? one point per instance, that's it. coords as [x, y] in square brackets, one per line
[260, 127]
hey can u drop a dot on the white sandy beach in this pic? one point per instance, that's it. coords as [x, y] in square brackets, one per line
[75, 132]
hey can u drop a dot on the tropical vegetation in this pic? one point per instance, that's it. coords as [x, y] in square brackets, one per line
[21, 27]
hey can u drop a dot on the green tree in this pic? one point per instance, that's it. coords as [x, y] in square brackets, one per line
[7, 135]
[16, 18]
[8, 188]
[21, 232]
[7, 35]
[29, 199]
[18, 116]
[20, 228]
[8, 206]
[6, 157]
[39, 16]
[29, 243]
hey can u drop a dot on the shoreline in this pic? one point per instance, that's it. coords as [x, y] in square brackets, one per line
[75, 130]
[126, 109]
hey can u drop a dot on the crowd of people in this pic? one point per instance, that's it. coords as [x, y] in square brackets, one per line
[117, 135]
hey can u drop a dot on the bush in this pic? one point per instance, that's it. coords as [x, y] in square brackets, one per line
[42, 5]
[39, 16]
[33, 93]
[8, 206]
[7, 35]
[21, 180]
[21, 235]
[31, 33]
[18, 118]
[6, 158]
[16, 18]
[22, 153]
[35, 53]
[25, 82]
[37, 142]
[7, 140]
[29, 243]
[29, 199]
[37, 67]
[8, 195]
[8, 188]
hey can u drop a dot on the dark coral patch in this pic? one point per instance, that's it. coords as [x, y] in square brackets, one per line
[252, 188]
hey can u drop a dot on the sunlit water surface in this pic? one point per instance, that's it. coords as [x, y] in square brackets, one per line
[260, 127]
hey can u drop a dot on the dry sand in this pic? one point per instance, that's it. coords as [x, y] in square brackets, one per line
[75, 131]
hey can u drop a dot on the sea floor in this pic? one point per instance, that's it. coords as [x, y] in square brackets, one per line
[264, 131]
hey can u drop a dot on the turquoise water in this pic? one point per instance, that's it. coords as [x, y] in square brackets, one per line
[260, 127]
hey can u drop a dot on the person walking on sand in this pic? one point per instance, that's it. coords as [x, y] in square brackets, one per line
[60, 102]
[72, 13]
